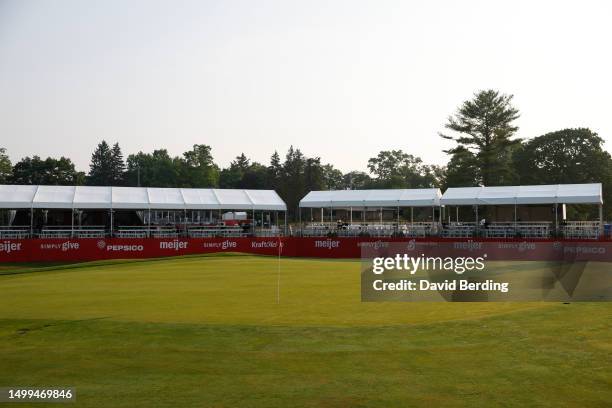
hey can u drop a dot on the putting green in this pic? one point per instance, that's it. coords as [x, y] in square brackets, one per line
[207, 331]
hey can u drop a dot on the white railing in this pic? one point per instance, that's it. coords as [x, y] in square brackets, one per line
[55, 233]
[376, 229]
[581, 229]
[273, 231]
[216, 231]
[15, 232]
[459, 230]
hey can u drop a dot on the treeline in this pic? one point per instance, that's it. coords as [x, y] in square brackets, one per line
[485, 152]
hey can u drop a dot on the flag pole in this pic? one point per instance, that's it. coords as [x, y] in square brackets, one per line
[278, 274]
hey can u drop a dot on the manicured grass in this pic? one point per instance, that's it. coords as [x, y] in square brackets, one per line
[207, 331]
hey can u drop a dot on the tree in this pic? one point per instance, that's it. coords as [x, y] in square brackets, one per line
[313, 175]
[396, 169]
[462, 169]
[6, 169]
[50, 171]
[117, 165]
[292, 187]
[332, 178]
[198, 168]
[275, 172]
[155, 169]
[231, 177]
[564, 157]
[255, 177]
[486, 126]
[101, 166]
[356, 180]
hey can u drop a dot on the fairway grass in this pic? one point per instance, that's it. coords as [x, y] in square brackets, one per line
[207, 331]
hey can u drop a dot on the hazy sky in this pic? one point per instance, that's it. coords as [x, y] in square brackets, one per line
[340, 79]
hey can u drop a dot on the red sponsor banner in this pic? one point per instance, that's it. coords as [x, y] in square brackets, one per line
[35, 250]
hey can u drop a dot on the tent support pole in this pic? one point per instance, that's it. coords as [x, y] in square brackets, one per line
[286, 223]
[31, 222]
[72, 223]
[111, 222]
[411, 215]
[351, 211]
[556, 218]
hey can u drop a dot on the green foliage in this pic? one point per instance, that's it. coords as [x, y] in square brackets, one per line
[564, 157]
[155, 169]
[332, 178]
[462, 169]
[50, 171]
[485, 126]
[197, 168]
[275, 171]
[107, 167]
[292, 187]
[243, 174]
[6, 169]
[356, 180]
[396, 169]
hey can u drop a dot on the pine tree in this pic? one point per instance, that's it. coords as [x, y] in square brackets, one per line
[485, 127]
[118, 165]
[101, 167]
[275, 170]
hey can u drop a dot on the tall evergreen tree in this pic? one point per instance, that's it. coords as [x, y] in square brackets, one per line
[275, 171]
[292, 188]
[101, 166]
[485, 125]
[117, 165]
[313, 175]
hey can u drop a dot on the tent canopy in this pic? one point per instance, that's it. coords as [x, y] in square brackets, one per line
[510, 195]
[423, 197]
[83, 197]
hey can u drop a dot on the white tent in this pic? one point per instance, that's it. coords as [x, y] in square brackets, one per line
[67, 197]
[522, 195]
[426, 197]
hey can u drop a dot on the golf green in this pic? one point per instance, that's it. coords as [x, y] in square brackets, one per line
[208, 331]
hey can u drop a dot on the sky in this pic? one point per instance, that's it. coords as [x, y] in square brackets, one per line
[341, 80]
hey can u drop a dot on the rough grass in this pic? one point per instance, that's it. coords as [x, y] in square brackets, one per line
[206, 331]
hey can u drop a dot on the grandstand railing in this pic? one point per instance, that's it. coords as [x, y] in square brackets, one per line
[581, 229]
[234, 231]
[15, 232]
[376, 229]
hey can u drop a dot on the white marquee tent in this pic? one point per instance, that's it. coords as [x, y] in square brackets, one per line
[141, 198]
[524, 195]
[427, 197]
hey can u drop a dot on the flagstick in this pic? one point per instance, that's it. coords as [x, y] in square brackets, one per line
[278, 273]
